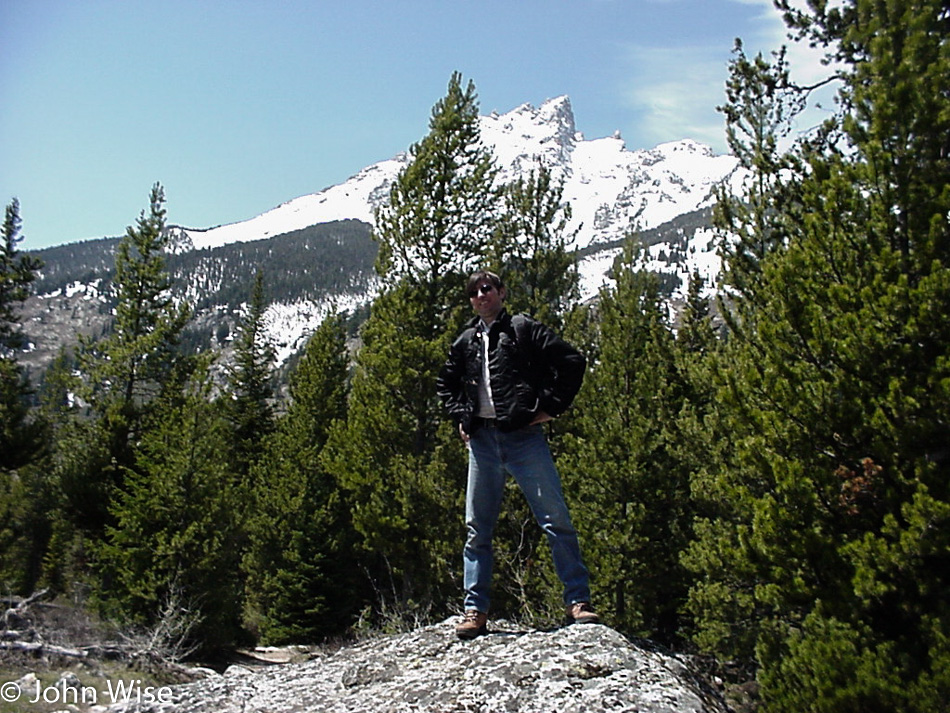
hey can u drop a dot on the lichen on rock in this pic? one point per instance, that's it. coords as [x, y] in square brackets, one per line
[578, 669]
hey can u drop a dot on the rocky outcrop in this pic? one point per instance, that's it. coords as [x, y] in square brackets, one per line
[582, 669]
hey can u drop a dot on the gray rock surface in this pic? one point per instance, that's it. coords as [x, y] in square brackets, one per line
[578, 669]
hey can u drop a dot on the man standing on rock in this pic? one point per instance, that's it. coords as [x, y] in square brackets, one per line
[504, 377]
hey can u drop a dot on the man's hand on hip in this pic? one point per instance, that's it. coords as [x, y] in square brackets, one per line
[541, 417]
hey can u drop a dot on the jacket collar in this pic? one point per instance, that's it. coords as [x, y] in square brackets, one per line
[476, 322]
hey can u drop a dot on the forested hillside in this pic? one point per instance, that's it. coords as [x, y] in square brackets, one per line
[313, 262]
[74, 289]
[774, 494]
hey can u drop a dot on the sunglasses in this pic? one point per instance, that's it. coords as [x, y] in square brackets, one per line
[484, 289]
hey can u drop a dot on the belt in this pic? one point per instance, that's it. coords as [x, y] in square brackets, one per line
[483, 422]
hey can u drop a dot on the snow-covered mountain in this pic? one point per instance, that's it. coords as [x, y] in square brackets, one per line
[611, 189]
[612, 192]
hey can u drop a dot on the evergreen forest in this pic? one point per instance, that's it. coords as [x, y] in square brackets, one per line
[769, 489]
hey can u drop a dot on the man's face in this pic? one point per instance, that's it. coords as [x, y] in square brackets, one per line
[487, 300]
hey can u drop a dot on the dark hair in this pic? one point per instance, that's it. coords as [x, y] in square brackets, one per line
[481, 276]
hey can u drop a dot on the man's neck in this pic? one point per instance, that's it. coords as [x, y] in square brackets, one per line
[489, 320]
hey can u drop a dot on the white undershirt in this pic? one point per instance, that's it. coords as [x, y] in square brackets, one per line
[486, 403]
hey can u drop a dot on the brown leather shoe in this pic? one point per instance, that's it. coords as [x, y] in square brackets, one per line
[473, 623]
[582, 613]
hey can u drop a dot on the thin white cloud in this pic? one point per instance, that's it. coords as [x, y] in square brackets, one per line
[675, 91]
[805, 62]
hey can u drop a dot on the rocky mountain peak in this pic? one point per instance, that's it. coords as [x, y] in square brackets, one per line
[559, 112]
[528, 134]
[611, 189]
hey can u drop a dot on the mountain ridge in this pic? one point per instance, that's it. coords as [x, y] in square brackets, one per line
[611, 189]
[664, 193]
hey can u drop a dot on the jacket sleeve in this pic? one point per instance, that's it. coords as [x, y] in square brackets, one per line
[450, 386]
[563, 369]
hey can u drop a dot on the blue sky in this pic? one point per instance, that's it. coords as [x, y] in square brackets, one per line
[236, 106]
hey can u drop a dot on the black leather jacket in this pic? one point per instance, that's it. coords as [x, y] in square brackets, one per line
[531, 368]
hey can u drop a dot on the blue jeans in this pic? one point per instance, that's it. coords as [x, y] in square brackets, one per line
[524, 454]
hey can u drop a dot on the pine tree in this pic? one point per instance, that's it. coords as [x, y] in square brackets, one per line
[128, 367]
[398, 458]
[19, 438]
[24, 522]
[399, 463]
[834, 500]
[68, 436]
[619, 462]
[696, 334]
[301, 582]
[17, 272]
[533, 250]
[761, 104]
[441, 210]
[250, 381]
[697, 344]
[123, 373]
[176, 540]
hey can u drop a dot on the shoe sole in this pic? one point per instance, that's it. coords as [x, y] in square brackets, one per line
[469, 635]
